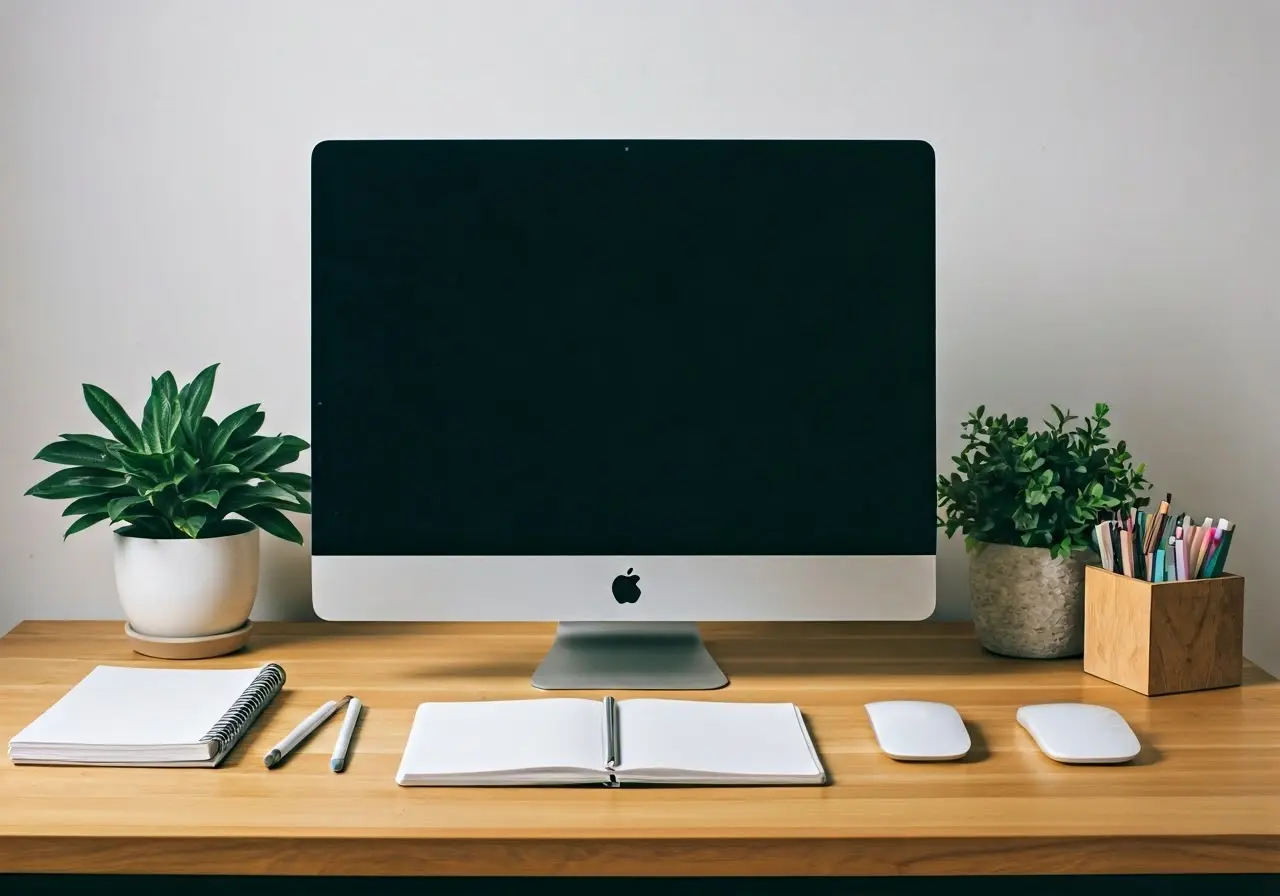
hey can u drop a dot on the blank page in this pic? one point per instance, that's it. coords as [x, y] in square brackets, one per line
[754, 740]
[127, 706]
[505, 735]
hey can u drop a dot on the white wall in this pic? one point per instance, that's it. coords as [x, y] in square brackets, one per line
[1108, 204]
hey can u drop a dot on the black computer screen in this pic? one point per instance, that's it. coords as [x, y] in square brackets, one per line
[536, 347]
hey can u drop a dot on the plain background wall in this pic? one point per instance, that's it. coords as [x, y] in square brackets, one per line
[1108, 206]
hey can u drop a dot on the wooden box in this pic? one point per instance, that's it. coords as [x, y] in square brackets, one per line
[1164, 638]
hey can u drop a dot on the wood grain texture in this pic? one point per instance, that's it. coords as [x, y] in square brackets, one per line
[1203, 796]
[1166, 638]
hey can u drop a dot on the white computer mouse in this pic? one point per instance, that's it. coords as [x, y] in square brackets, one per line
[919, 731]
[1080, 733]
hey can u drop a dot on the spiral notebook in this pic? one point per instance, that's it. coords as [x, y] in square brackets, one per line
[124, 715]
[569, 740]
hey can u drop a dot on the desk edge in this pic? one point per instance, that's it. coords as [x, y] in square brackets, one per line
[717, 857]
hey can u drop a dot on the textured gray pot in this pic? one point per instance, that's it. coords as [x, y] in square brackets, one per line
[1026, 603]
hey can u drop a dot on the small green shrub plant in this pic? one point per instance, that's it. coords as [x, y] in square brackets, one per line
[1038, 488]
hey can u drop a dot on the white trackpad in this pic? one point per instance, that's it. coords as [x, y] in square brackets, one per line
[1080, 733]
[918, 731]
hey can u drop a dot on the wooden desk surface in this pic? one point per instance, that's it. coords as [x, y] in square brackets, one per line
[1203, 796]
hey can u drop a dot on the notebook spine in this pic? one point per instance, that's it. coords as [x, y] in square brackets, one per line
[613, 740]
[236, 720]
[612, 747]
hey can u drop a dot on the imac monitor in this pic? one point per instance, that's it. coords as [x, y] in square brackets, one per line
[625, 386]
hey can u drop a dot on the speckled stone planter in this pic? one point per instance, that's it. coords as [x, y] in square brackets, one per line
[1026, 603]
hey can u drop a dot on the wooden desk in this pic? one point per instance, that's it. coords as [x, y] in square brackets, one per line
[1204, 795]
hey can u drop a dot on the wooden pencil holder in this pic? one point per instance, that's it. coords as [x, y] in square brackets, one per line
[1166, 637]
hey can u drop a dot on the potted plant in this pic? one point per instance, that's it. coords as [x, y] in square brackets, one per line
[187, 495]
[1027, 502]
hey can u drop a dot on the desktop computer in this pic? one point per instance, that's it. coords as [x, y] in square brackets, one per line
[626, 386]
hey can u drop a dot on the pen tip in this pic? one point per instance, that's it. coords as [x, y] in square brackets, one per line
[271, 759]
[336, 764]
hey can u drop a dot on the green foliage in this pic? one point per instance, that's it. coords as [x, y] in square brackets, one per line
[1037, 489]
[179, 473]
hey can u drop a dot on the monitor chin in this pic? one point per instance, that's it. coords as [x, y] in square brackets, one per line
[625, 623]
[577, 588]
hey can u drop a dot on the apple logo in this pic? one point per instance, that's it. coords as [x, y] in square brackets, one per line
[625, 589]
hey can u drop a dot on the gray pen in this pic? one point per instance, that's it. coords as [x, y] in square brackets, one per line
[277, 753]
[339, 760]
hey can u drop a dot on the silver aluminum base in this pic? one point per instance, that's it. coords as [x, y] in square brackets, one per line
[628, 656]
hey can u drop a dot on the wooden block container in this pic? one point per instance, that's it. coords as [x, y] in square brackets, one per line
[1164, 638]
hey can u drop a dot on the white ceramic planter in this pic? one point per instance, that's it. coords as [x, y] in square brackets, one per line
[187, 587]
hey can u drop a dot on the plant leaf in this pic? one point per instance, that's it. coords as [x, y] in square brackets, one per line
[246, 430]
[143, 512]
[230, 482]
[219, 469]
[273, 522]
[117, 506]
[270, 491]
[160, 417]
[299, 482]
[210, 497]
[190, 525]
[87, 504]
[244, 496]
[96, 503]
[222, 435]
[102, 444]
[76, 482]
[302, 504]
[204, 435]
[61, 492]
[112, 416]
[170, 483]
[290, 449]
[302, 508]
[250, 458]
[165, 500]
[157, 467]
[149, 527]
[184, 464]
[89, 519]
[198, 393]
[78, 454]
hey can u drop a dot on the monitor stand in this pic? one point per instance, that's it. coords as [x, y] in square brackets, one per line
[628, 656]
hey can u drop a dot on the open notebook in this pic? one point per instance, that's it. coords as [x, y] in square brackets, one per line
[576, 741]
[123, 715]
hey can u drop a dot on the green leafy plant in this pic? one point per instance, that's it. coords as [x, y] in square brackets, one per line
[179, 473]
[1046, 488]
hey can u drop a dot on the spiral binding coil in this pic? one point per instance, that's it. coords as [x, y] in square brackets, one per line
[236, 720]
